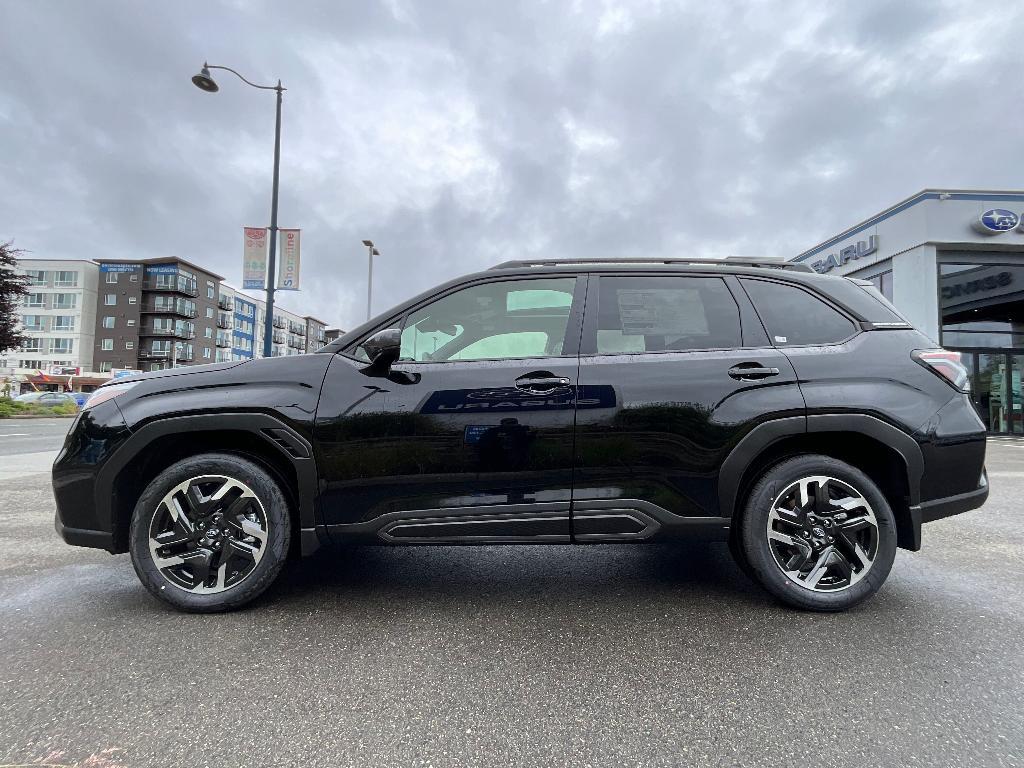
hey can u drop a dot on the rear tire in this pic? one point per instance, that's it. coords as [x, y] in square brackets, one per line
[817, 534]
[210, 533]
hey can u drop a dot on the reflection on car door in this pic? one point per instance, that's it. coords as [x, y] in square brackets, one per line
[450, 448]
[689, 380]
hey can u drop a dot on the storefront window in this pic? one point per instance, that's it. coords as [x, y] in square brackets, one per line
[982, 305]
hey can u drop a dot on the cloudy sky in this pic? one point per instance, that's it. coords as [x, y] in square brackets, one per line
[460, 134]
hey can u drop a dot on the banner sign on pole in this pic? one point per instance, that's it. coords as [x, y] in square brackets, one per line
[288, 277]
[254, 264]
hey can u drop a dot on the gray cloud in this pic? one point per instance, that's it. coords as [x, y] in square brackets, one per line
[459, 134]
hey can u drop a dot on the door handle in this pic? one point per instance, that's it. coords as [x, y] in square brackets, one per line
[752, 372]
[541, 382]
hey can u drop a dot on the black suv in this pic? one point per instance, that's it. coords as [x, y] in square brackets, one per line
[796, 416]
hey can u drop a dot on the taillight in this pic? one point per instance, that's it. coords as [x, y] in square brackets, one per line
[946, 364]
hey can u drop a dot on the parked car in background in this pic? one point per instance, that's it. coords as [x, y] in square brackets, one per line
[796, 416]
[52, 398]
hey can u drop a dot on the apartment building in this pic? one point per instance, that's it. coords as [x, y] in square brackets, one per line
[156, 313]
[91, 317]
[58, 318]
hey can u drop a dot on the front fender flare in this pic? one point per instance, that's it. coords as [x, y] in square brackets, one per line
[292, 446]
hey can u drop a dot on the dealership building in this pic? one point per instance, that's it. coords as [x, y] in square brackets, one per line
[952, 261]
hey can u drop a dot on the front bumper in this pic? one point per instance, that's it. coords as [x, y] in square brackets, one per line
[83, 512]
[82, 537]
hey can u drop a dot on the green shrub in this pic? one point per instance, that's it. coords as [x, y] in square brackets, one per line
[12, 409]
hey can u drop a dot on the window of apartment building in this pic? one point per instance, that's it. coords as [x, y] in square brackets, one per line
[129, 345]
[64, 323]
[62, 346]
[32, 322]
[206, 353]
[111, 278]
[65, 301]
[105, 366]
[35, 300]
[110, 299]
[66, 279]
[211, 292]
[36, 276]
[107, 345]
[208, 332]
[30, 363]
[209, 313]
[161, 346]
[108, 321]
[32, 345]
[133, 299]
[156, 366]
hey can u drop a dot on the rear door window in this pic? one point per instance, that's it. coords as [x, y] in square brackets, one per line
[795, 317]
[658, 314]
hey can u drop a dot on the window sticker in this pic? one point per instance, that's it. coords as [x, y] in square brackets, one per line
[662, 312]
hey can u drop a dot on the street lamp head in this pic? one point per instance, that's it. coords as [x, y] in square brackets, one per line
[376, 252]
[368, 243]
[204, 81]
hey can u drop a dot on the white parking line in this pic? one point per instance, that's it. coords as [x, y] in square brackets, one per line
[16, 434]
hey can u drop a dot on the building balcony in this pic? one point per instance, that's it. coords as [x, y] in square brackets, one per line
[185, 287]
[226, 303]
[280, 322]
[279, 338]
[177, 308]
[168, 333]
[224, 322]
[164, 354]
[223, 341]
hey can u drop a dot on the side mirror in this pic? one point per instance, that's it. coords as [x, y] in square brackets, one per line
[384, 347]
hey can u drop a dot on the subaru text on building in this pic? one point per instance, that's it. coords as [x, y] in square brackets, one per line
[795, 415]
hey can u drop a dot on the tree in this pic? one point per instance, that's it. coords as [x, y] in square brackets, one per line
[12, 288]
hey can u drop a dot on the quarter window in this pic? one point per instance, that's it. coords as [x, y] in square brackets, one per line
[794, 317]
[657, 314]
[501, 320]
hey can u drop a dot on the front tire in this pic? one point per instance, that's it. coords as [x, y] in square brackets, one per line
[818, 534]
[210, 533]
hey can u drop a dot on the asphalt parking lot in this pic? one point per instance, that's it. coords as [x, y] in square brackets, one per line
[555, 656]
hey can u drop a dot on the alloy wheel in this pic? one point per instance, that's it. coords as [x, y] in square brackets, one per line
[823, 534]
[208, 534]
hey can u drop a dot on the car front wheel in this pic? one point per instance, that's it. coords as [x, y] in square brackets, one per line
[210, 533]
[818, 534]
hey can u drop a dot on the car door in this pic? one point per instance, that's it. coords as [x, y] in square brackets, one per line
[468, 436]
[674, 370]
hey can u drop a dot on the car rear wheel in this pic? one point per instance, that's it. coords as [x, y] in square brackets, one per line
[210, 533]
[818, 534]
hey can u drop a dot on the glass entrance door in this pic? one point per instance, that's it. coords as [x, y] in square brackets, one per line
[996, 388]
[990, 392]
[1016, 414]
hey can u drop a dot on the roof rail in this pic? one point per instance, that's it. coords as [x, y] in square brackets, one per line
[738, 261]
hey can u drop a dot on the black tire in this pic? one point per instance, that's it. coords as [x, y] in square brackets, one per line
[237, 525]
[843, 578]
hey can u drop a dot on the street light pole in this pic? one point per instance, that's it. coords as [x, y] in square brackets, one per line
[369, 276]
[205, 82]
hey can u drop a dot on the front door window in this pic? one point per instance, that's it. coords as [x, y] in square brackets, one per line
[492, 321]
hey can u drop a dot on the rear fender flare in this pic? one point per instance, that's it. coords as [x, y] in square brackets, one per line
[764, 435]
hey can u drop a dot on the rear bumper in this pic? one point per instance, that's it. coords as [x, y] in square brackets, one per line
[946, 506]
[936, 509]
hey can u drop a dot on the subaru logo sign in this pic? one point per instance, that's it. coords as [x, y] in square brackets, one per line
[996, 220]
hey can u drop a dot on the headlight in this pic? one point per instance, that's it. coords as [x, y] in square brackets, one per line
[107, 392]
